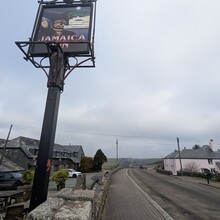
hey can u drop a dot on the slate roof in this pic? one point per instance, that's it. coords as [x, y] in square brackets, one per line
[27, 144]
[172, 155]
[8, 165]
[20, 142]
[205, 152]
[73, 148]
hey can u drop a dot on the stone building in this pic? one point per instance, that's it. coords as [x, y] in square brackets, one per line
[23, 151]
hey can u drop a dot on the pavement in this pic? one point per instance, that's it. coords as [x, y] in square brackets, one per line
[127, 201]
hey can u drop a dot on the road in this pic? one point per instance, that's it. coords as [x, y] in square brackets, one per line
[181, 198]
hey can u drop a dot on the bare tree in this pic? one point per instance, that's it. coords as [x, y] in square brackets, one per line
[192, 167]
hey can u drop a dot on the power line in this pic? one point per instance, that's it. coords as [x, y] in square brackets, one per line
[123, 137]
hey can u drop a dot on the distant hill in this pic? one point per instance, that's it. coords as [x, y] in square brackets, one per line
[112, 162]
[138, 162]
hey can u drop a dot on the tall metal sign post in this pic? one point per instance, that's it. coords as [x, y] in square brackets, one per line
[62, 40]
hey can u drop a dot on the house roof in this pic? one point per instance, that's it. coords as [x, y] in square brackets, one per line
[172, 155]
[29, 143]
[205, 152]
[73, 148]
[20, 142]
[8, 165]
[75, 160]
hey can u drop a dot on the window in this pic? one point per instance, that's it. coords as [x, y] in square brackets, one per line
[210, 161]
[8, 176]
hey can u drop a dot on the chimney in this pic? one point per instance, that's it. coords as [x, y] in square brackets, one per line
[213, 145]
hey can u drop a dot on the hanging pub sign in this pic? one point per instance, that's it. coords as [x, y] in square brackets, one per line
[70, 25]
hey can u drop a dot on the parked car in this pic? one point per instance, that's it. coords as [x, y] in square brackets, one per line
[10, 180]
[73, 173]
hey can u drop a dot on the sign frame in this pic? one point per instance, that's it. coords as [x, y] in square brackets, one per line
[67, 26]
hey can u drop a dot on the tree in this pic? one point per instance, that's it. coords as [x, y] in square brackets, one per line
[86, 164]
[99, 159]
[191, 167]
[195, 147]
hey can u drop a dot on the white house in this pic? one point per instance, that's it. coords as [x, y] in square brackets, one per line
[206, 157]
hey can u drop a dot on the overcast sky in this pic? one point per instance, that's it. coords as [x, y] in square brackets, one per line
[157, 77]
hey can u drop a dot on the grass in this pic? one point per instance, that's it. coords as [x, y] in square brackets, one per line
[110, 164]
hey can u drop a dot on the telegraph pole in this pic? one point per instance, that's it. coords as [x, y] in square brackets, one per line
[181, 168]
[6, 142]
[117, 150]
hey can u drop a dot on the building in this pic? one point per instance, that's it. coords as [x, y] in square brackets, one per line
[195, 160]
[23, 151]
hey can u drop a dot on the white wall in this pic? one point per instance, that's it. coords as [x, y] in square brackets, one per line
[174, 164]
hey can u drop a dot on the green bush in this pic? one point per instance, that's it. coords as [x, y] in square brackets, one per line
[28, 177]
[60, 177]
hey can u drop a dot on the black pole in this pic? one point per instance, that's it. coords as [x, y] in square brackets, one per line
[44, 159]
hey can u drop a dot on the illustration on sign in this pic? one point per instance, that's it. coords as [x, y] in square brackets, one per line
[66, 25]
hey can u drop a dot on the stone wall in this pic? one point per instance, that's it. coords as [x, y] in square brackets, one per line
[101, 192]
[76, 204]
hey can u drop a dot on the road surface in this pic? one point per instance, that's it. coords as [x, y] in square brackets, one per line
[183, 198]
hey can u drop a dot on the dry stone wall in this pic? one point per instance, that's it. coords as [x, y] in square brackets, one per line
[75, 204]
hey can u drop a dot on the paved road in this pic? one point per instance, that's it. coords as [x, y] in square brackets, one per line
[183, 198]
[126, 202]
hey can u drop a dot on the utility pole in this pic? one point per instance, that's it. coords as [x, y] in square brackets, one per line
[181, 168]
[117, 150]
[6, 142]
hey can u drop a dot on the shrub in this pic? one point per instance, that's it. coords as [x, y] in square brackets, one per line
[193, 174]
[167, 172]
[60, 177]
[86, 165]
[28, 177]
[99, 159]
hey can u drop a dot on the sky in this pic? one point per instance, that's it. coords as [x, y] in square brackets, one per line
[157, 77]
